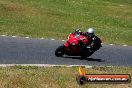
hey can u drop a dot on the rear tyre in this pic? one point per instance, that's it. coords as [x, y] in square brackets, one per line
[59, 51]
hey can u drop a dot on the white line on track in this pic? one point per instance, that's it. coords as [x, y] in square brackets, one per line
[41, 38]
[111, 44]
[13, 36]
[52, 39]
[49, 65]
[124, 45]
[62, 40]
[26, 37]
[3, 35]
[43, 65]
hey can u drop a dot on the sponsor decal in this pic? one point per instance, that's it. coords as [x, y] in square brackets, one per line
[83, 78]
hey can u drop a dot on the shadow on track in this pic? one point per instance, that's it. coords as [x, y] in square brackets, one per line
[88, 59]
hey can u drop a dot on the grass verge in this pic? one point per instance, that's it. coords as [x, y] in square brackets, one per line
[55, 77]
[112, 19]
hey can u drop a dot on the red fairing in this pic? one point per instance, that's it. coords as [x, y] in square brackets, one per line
[66, 44]
[76, 45]
[74, 39]
[83, 38]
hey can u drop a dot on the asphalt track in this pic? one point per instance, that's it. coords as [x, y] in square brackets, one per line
[41, 51]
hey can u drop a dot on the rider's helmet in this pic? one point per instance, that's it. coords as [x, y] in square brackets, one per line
[90, 32]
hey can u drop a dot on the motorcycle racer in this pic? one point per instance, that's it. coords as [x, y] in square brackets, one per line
[77, 44]
[93, 39]
[90, 35]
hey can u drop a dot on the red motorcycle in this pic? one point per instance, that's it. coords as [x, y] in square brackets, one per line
[77, 45]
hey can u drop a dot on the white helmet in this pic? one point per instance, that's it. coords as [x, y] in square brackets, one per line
[90, 30]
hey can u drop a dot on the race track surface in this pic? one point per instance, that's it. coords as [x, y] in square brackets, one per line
[41, 51]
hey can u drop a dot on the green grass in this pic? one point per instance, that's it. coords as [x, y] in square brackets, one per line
[111, 19]
[55, 77]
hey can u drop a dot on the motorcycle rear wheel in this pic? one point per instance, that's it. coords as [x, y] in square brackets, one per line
[59, 51]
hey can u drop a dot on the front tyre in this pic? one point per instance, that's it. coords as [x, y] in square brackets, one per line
[60, 51]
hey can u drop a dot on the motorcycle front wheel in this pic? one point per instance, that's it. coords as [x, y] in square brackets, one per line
[60, 51]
